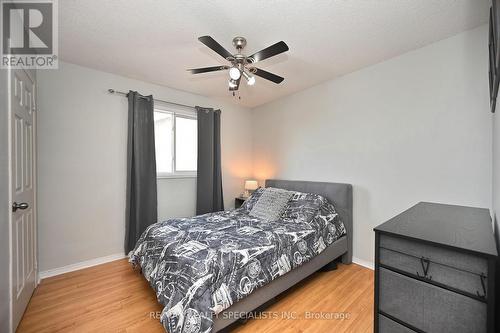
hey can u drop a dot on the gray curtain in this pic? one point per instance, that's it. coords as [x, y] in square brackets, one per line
[209, 184]
[141, 208]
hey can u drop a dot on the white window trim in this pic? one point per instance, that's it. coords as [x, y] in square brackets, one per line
[166, 175]
[182, 114]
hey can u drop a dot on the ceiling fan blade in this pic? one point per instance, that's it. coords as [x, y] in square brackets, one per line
[207, 69]
[268, 76]
[219, 49]
[270, 51]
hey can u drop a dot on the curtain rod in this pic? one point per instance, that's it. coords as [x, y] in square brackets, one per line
[112, 91]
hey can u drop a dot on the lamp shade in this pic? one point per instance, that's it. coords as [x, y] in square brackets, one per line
[251, 185]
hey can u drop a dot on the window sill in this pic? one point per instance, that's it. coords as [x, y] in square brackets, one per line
[177, 176]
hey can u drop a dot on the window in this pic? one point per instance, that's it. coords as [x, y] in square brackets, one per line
[176, 143]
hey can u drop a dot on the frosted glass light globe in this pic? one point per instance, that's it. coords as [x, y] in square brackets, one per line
[234, 73]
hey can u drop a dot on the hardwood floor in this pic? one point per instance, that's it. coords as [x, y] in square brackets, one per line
[114, 298]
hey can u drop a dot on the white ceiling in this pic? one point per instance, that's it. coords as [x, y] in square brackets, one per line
[156, 41]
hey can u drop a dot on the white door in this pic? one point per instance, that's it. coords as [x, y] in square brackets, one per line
[23, 226]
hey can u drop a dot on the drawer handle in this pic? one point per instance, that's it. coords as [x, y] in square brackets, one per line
[483, 284]
[425, 267]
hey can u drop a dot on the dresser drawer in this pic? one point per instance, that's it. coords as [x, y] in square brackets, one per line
[386, 325]
[467, 282]
[428, 307]
[443, 256]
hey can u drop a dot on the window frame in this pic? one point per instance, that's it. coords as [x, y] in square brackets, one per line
[181, 114]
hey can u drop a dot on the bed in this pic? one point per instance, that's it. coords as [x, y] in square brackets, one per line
[233, 263]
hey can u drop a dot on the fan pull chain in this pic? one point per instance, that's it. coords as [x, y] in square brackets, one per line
[234, 95]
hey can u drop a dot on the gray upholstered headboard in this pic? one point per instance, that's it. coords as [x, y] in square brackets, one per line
[337, 193]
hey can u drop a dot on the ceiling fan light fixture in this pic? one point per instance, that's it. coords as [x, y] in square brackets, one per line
[234, 73]
[250, 78]
[232, 83]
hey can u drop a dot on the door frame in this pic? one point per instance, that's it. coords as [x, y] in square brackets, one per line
[32, 75]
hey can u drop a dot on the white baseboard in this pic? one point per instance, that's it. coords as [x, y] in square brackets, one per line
[79, 265]
[364, 263]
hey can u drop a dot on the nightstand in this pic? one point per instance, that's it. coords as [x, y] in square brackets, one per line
[238, 201]
[435, 270]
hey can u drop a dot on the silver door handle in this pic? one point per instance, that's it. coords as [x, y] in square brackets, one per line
[22, 205]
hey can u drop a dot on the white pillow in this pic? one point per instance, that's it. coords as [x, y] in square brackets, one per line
[271, 204]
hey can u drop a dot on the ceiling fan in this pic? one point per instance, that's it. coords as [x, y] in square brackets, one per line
[241, 65]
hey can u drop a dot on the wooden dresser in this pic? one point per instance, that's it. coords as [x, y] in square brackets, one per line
[435, 270]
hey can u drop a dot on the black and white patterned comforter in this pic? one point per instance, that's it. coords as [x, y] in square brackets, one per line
[199, 266]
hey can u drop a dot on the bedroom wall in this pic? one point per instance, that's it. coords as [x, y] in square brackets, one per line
[413, 128]
[4, 205]
[82, 151]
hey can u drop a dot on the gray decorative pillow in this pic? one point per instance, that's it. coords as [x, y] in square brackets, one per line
[271, 204]
[250, 202]
[302, 207]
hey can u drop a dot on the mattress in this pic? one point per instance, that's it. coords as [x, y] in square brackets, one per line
[200, 266]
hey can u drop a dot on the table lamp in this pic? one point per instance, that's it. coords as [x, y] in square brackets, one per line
[250, 186]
